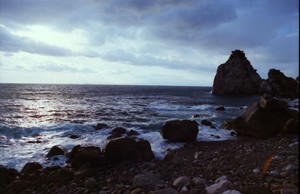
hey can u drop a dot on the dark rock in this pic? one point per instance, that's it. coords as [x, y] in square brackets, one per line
[54, 151]
[86, 157]
[74, 136]
[125, 148]
[165, 191]
[279, 85]
[206, 122]
[18, 186]
[132, 133]
[180, 130]
[220, 108]
[291, 126]
[258, 190]
[117, 132]
[262, 119]
[196, 116]
[147, 179]
[7, 175]
[236, 76]
[100, 126]
[31, 167]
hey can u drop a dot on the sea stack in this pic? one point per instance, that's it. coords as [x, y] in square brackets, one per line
[236, 76]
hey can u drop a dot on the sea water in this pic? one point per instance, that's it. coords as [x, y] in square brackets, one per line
[36, 117]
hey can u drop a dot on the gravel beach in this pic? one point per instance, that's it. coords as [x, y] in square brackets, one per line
[231, 166]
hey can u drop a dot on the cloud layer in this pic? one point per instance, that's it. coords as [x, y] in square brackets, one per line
[179, 36]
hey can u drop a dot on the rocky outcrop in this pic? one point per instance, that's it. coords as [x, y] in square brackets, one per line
[125, 148]
[31, 167]
[180, 130]
[236, 76]
[54, 151]
[263, 119]
[279, 85]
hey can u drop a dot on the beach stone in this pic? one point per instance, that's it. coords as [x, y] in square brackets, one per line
[221, 185]
[165, 191]
[277, 84]
[54, 151]
[180, 130]
[125, 148]
[182, 181]
[198, 181]
[146, 179]
[7, 175]
[85, 157]
[90, 182]
[231, 192]
[236, 76]
[31, 167]
[132, 133]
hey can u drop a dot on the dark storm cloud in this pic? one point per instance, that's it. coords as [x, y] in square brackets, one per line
[213, 26]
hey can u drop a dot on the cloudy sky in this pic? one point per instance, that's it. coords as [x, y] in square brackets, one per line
[156, 42]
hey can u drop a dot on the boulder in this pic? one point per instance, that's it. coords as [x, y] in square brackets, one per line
[180, 130]
[117, 132]
[86, 157]
[206, 122]
[100, 126]
[7, 175]
[221, 185]
[31, 167]
[125, 148]
[277, 84]
[291, 126]
[236, 76]
[262, 119]
[54, 151]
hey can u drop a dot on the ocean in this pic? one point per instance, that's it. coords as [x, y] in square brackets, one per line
[36, 117]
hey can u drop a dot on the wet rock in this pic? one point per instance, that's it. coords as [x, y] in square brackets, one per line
[125, 148]
[206, 122]
[165, 191]
[31, 167]
[220, 108]
[101, 126]
[179, 130]
[54, 151]
[74, 136]
[132, 133]
[117, 132]
[146, 179]
[236, 76]
[90, 182]
[86, 157]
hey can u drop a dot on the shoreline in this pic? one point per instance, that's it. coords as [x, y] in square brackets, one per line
[241, 160]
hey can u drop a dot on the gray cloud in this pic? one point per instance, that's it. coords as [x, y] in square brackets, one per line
[13, 43]
[54, 67]
[211, 26]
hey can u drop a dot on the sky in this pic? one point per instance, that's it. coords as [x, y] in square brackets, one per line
[138, 42]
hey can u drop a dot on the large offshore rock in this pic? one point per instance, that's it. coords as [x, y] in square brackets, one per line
[180, 130]
[279, 85]
[236, 76]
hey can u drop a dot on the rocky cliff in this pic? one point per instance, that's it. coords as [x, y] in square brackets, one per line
[236, 76]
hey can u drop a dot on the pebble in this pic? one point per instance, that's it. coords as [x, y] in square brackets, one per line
[182, 181]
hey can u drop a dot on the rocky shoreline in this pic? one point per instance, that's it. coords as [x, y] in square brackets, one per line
[194, 168]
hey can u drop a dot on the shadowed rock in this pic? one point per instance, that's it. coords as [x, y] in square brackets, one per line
[236, 76]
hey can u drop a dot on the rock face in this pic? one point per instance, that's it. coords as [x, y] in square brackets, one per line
[125, 148]
[180, 130]
[263, 119]
[236, 76]
[279, 85]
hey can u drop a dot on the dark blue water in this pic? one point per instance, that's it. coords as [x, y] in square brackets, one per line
[49, 114]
